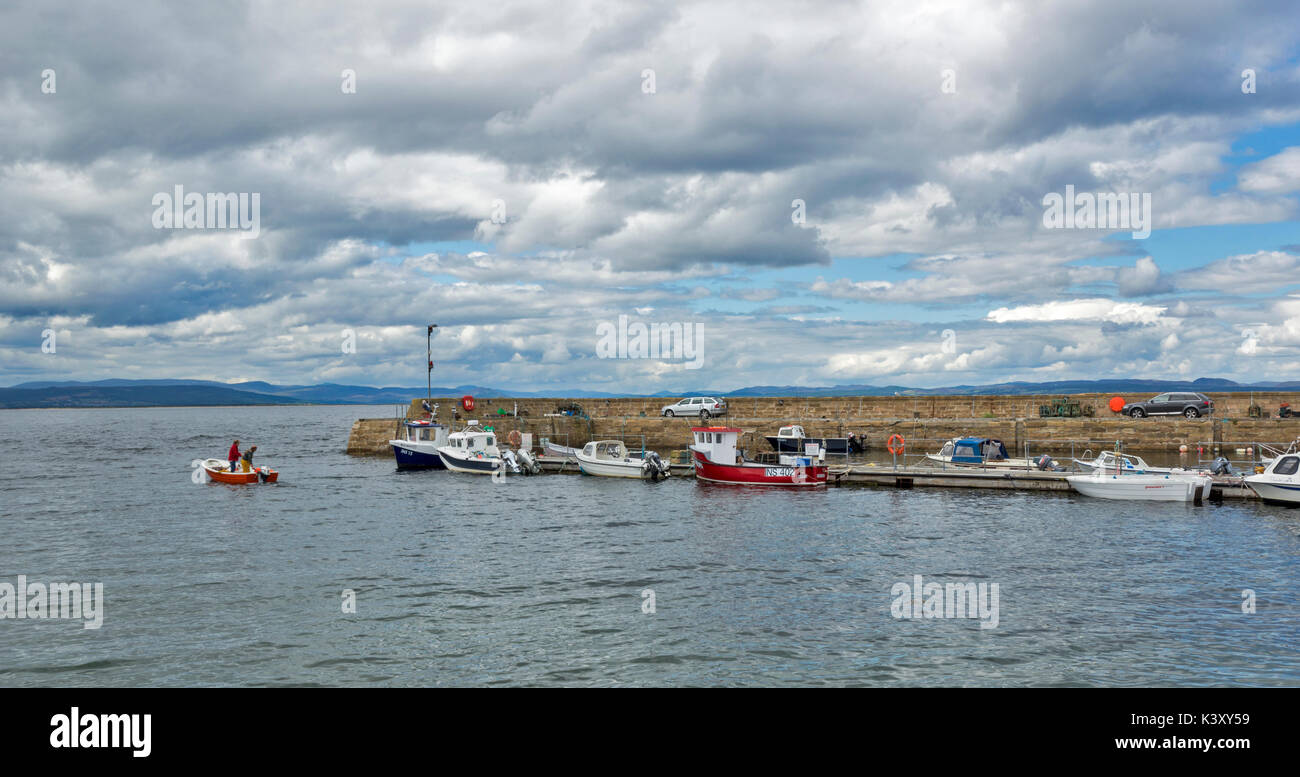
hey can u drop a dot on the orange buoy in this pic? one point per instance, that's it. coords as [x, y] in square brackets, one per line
[896, 444]
[1116, 404]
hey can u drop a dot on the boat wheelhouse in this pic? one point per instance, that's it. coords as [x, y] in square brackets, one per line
[417, 448]
[718, 460]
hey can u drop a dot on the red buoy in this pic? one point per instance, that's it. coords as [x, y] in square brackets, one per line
[1116, 404]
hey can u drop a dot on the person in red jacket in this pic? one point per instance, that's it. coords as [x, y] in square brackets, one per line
[233, 456]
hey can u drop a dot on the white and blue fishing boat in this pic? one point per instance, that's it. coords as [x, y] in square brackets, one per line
[473, 450]
[418, 448]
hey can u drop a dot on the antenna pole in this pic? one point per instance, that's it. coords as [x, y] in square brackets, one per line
[428, 381]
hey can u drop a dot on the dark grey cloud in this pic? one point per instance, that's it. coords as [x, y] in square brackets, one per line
[618, 199]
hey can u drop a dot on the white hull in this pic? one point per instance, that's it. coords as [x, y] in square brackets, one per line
[1089, 466]
[628, 468]
[1287, 493]
[1148, 488]
[473, 465]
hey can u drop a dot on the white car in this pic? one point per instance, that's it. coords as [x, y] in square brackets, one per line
[704, 407]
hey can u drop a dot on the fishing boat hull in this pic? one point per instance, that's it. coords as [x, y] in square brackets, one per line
[219, 471]
[752, 474]
[1148, 488]
[473, 465]
[414, 455]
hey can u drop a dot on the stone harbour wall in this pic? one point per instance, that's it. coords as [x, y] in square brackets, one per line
[923, 421]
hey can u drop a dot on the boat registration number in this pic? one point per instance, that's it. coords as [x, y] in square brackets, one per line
[779, 472]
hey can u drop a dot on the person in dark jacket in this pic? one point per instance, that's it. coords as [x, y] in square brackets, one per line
[233, 456]
[248, 458]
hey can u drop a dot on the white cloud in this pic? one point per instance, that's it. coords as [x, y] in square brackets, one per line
[1278, 174]
[1081, 310]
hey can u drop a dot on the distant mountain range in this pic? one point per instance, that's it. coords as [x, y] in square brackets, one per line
[174, 393]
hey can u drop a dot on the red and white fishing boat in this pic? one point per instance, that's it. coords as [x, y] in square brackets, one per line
[716, 460]
[220, 471]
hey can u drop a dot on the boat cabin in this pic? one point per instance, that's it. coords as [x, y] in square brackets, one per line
[974, 450]
[613, 450]
[424, 431]
[1288, 465]
[1110, 462]
[718, 443]
[473, 438]
[794, 432]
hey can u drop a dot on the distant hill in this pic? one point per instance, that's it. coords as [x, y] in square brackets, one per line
[134, 396]
[1103, 386]
[116, 392]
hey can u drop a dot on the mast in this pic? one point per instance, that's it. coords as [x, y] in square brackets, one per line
[428, 383]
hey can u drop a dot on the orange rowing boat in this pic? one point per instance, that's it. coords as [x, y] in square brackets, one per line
[220, 471]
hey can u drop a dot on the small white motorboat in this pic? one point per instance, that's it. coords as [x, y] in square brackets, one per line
[1112, 463]
[1168, 487]
[979, 452]
[609, 458]
[474, 450]
[1279, 484]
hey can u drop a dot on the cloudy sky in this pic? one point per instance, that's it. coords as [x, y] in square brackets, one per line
[833, 192]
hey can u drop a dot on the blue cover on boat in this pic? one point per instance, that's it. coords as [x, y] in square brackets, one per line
[971, 450]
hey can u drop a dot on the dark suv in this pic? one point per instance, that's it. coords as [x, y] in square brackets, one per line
[1174, 403]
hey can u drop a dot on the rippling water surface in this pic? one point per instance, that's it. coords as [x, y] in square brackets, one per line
[540, 580]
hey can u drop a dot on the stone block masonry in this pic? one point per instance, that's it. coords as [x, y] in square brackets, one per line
[924, 421]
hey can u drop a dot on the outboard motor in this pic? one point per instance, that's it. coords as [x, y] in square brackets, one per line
[530, 465]
[653, 467]
[1221, 466]
[512, 464]
[261, 474]
[1045, 463]
[855, 443]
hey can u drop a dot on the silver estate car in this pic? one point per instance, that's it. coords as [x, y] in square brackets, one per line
[704, 407]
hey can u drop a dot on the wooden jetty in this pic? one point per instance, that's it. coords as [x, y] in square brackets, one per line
[938, 477]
